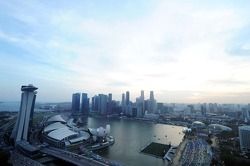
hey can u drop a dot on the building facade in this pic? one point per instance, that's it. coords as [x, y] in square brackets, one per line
[244, 135]
[85, 104]
[76, 102]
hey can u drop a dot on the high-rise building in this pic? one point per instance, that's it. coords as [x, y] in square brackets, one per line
[123, 103]
[25, 114]
[109, 97]
[76, 102]
[203, 109]
[103, 100]
[152, 103]
[109, 104]
[127, 98]
[244, 134]
[151, 97]
[85, 104]
[139, 112]
[95, 103]
[142, 102]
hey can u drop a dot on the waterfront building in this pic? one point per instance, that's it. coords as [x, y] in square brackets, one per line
[95, 103]
[127, 98]
[123, 103]
[25, 114]
[139, 107]
[59, 133]
[109, 97]
[109, 104]
[152, 103]
[76, 102]
[142, 102]
[85, 104]
[244, 135]
[103, 100]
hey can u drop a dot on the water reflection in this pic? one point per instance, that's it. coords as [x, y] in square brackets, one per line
[131, 136]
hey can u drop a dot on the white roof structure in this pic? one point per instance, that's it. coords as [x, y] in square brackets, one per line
[219, 127]
[61, 133]
[54, 126]
[56, 118]
[84, 136]
[198, 123]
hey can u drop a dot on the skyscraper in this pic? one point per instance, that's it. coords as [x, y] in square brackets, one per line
[103, 100]
[127, 98]
[142, 102]
[85, 104]
[109, 97]
[25, 114]
[95, 103]
[123, 103]
[151, 95]
[76, 102]
[139, 107]
[109, 104]
[152, 103]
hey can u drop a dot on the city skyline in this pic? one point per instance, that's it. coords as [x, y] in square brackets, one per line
[185, 52]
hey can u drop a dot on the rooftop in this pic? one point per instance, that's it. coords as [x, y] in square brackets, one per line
[244, 127]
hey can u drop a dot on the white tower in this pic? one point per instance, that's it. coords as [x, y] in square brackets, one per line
[25, 114]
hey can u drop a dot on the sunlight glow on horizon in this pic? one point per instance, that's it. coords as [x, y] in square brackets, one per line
[186, 51]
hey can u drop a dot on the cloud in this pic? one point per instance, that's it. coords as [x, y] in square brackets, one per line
[165, 45]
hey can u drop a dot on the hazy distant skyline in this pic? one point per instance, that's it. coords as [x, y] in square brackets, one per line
[185, 51]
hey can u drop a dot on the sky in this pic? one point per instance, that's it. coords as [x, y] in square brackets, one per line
[186, 51]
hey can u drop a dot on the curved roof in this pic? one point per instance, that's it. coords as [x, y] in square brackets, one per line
[54, 126]
[56, 118]
[220, 127]
[198, 123]
[61, 133]
[83, 136]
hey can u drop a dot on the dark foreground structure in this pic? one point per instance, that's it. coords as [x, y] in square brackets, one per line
[25, 151]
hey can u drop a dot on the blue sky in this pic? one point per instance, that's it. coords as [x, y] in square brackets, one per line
[186, 51]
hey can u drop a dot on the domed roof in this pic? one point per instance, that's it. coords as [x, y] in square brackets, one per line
[219, 127]
[198, 123]
[56, 118]
[54, 126]
[61, 133]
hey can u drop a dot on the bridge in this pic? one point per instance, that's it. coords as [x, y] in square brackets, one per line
[70, 157]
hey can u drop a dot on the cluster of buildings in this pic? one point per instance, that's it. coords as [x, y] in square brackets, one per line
[65, 134]
[104, 105]
[140, 107]
[80, 107]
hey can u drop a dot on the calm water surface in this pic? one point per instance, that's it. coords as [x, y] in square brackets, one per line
[130, 136]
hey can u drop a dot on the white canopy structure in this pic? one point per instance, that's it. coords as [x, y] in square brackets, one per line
[54, 126]
[56, 118]
[219, 127]
[61, 133]
[198, 124]
[83, 136]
